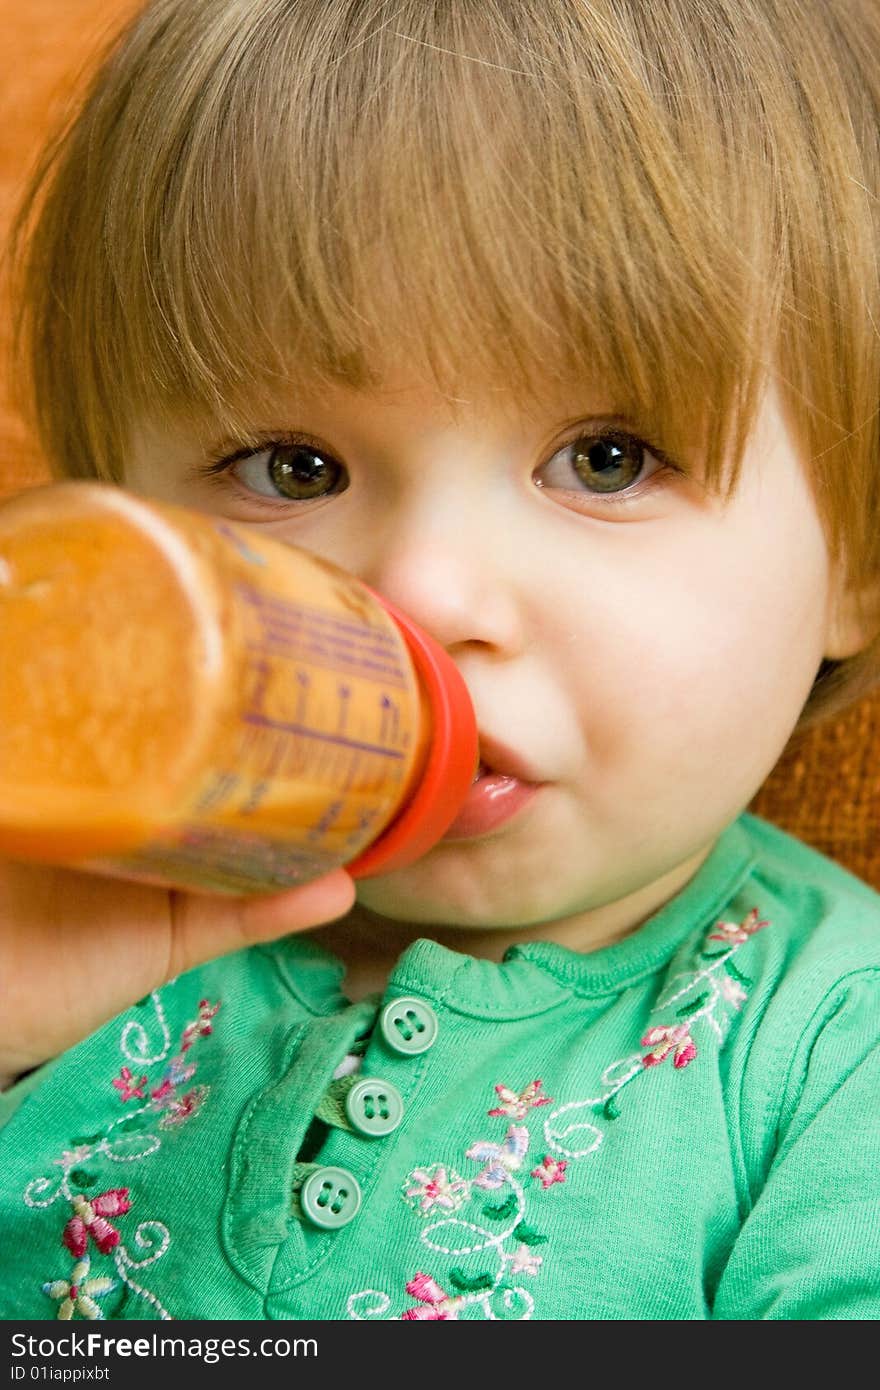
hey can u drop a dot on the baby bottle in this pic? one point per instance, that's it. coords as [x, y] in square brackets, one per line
[187, 703]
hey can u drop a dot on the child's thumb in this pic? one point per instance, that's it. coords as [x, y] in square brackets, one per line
[208, 926]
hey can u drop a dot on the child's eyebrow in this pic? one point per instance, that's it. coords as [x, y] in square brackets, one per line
[564, 429]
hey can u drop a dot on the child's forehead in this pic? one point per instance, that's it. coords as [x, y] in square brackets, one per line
[400, 398]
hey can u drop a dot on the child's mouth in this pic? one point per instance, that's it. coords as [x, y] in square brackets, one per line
[500, 789]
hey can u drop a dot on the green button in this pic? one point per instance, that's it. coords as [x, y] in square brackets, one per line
[374, 1107]
[408, 1026]
[330, 1197]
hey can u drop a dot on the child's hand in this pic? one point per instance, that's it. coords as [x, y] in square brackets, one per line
[77, 948]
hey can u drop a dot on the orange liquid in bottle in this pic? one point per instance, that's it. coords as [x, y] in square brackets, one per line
[188, 703]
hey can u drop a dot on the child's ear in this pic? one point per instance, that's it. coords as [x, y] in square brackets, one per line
[854, 620]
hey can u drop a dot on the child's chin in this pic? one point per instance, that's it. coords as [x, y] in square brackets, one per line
[434, 893]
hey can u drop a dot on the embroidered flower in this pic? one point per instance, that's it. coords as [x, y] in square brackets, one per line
[71, 1157]
[731, 990]
[519, 1105]
[436, 1306]
[733, 933]
[663, 1040]
[78, 1293]
[181, 1108]
[176, 1074]
[550, 1170]
[200, 1027]
[501, 1159]
[166, 1097]
[126, 1085]
[522, 1261]
[88, 1220]
[435, 1187]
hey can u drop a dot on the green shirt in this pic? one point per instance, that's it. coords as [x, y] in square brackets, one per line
[680, 1125]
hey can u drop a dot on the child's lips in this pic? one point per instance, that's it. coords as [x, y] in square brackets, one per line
[503, 786]
[498, 760]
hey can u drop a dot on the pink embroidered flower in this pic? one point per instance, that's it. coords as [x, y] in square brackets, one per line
[435, 1187]
[733, 933]
[731, 990]
[166, 1097]
[176, 1074]
[518, 1105]
[78, 1293]
[663, 1040]
[200, 1027]
[71, 1157]
[183, 1107]
[88, 1220]
[550, 1170]
[501, 1159]
[437, 1306]
[127, 1087]
[522, 1261]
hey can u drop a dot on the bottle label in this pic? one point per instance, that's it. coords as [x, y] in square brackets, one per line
[313, 755]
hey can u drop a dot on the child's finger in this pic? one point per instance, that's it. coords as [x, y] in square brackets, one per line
[322, 900]
[205, 927]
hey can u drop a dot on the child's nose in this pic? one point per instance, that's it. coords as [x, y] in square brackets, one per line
[452, 582]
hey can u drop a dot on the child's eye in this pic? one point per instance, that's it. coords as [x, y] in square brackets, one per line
[293, 472]
[602, 464]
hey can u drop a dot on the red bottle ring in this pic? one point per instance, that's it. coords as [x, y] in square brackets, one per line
[452, 759]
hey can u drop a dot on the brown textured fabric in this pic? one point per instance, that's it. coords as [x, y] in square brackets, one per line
[826, 787]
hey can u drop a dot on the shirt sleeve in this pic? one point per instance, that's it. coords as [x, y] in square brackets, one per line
[809, 1249]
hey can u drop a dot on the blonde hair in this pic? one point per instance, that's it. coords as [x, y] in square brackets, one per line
[672, 199]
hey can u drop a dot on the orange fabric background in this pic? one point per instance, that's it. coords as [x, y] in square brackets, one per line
[826, 787]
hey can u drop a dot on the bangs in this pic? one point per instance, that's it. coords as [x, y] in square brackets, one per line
[480, 191]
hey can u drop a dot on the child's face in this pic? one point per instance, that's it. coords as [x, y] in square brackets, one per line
[637, 649]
